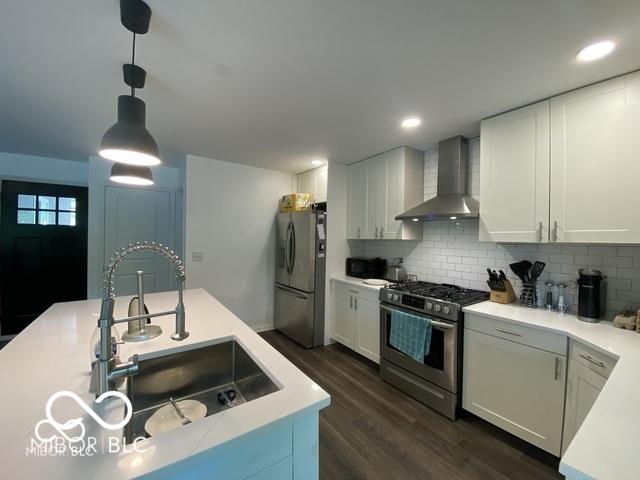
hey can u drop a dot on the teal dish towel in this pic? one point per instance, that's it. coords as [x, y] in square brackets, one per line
[410, 334]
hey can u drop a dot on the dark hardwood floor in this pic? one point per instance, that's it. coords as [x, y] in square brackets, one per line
[373, 431]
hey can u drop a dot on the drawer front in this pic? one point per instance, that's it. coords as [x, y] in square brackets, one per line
[356, 290]
[594, 360]
[514, 332]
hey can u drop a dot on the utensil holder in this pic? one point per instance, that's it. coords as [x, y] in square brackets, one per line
[506, 296]
[529, 295]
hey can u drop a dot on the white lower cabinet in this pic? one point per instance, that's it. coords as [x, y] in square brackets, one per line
[587, 374]
[367, 338]
[583, 387]
[519, 388]
[342, 317]
[355, 319]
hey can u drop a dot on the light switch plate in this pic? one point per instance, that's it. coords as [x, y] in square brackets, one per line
[197, 256]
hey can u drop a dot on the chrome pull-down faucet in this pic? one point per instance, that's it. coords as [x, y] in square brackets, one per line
[107, 370]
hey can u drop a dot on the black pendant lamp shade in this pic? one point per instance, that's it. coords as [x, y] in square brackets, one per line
[131, 174]
[128, 141]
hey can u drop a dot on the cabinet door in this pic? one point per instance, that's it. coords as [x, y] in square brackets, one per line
[583, 387]
[367, 324]
[594, 163]
[356, 199]
[374, 205]
[514, 176]
[321, 183]
[342, 318]
[306, 182]
[516, 387]
[393, 169]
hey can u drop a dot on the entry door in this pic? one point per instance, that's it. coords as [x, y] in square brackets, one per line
[134, 215]
[43, 248]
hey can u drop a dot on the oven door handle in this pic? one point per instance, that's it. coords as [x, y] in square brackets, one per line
[434, 323]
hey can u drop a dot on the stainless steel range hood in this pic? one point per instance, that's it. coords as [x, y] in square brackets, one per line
[451, 200]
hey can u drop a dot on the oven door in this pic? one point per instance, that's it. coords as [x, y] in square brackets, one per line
[440, 366]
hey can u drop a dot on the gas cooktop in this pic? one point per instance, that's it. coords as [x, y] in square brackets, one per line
[442, 299]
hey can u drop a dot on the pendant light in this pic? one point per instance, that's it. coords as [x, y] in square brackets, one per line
[128, 141]
[131, 174]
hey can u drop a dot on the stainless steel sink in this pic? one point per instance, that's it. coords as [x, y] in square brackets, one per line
[198, 374]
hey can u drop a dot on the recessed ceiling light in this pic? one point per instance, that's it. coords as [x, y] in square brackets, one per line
[317, 163]
[595, 51]
[453, 218]
[411, 122]
[415, 219]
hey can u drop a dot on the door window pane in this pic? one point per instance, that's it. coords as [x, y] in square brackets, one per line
[46, 218]
[67, 203]
[27, 217]
[46, 203]
[67, 218]
[26, 201]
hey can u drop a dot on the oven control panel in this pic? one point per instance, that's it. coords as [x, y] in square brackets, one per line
[437, 308]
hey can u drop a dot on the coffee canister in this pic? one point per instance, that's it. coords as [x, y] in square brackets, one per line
[591, 295]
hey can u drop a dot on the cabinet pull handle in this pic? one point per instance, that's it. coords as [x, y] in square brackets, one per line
[381, 232]
[509, 332]
[555, 231]
[355, 304]
[540, 233]
[595, 362]
[358, 235]
[355, 292]
[351, 303]
[557, 371]
[375, 235]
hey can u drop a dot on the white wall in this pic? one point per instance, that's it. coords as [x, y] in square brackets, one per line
[165, 179]
[43, 169]
[230, 217]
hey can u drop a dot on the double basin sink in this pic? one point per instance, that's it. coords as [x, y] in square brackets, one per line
[206, 374]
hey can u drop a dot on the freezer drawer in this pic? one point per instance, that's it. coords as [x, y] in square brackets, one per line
[294, 315]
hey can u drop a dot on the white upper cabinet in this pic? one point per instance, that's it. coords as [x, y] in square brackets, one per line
[357, 191]
[382, 187]
[314, 182]
[564, 170]
[514, 176]
[595, 163]
[374, 205]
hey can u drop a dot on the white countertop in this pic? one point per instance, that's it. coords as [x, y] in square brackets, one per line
[52, 354]
[606, 445]
[358, 282]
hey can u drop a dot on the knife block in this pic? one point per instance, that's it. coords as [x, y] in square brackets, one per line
[508, 296]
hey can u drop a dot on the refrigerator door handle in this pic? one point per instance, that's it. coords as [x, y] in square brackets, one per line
[287, 249]
[292, 292]
[293, 246]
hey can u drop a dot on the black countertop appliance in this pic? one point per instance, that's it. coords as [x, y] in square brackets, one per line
[591, 295]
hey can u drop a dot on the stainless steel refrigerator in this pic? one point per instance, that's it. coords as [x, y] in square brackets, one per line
[300, 276]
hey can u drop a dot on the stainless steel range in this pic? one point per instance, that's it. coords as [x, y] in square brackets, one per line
[437, 380]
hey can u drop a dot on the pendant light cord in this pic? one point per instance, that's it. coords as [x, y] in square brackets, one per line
[133, 63]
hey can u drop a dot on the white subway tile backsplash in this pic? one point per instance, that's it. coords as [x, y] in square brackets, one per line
[451, 253]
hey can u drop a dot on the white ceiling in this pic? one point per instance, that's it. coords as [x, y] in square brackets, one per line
[276, 83]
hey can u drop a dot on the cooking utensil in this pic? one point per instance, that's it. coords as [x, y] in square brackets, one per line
[536, 270]
[179, 411]
[521, 269]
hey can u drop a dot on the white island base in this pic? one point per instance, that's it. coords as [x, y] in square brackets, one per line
[272, 437]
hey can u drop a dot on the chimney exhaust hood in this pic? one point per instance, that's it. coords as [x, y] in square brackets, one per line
[451, 201]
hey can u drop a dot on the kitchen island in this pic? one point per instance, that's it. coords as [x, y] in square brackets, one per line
[271, 437]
